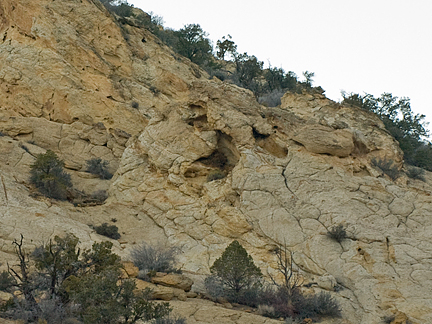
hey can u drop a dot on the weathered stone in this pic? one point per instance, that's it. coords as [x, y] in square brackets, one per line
[322, 139]
[289, 173]
[130, 269]
[174, 280]
[157, 292]
[327, 282]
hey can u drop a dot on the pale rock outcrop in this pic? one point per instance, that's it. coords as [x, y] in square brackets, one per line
[323, 139]
[68, 79]
[173, 280]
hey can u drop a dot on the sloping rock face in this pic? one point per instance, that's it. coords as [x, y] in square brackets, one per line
[199, 163]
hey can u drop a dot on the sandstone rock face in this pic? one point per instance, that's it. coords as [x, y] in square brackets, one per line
[322, 139]
[129, 269]
[68, 79]
[174, 280]
[203, 311]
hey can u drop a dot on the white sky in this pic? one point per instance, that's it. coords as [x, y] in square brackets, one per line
[371, 46]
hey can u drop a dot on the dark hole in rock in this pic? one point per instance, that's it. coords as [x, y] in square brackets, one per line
[257, 135]
[217, 160]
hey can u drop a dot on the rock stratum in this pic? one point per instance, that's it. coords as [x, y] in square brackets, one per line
[70, 77]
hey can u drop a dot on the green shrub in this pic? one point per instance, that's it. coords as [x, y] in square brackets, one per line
[98, 167]
[416, 173]
[308, 78]
[248, 70]
[277, 79]
[224, 46]
[407, 128]
[152, 259]
[192, 42]
[236, 271]
[295, 304]
[387, 166]
[337, 233]
[48, 176]
[121, 8]
[319, 305]
[85, 287]
[110, 231]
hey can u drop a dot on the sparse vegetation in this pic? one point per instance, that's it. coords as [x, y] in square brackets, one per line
[237, 273]
[135, 104]
[387, 166]
[48, 176]
[60, 283]
[271, 99]
[337, 233]
[110, 231]
[121, 8]
[225, 46]
[151, 259]
[248, 70]
[406, 127]
[308, 78]
[239, 280]
[416, 173]
[192, 42]
[98, 167]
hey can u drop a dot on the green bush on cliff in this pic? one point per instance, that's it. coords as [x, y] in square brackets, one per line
[48, 176]
[98, 167]
[408, 128]
[236, 274]
[58, 283]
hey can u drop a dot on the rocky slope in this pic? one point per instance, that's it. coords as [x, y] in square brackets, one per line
[70, 77]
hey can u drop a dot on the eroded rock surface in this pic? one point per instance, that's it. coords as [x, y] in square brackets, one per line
[68, 78]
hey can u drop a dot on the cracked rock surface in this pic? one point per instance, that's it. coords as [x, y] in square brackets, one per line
[200, 163]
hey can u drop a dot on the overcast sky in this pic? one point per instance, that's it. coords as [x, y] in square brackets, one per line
[357, 46]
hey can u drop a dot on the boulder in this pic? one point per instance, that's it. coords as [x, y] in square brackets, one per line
[129, 269]
[325, 140]
[157, 292]
[174, 280]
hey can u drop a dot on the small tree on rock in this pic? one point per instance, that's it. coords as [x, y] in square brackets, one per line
[193, 43]
[226, 45]
[48, 176]
[236, 269]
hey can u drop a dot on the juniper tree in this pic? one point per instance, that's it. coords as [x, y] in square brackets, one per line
[235, 268]
[48, 175]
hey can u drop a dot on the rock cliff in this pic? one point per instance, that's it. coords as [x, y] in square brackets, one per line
[75, 80]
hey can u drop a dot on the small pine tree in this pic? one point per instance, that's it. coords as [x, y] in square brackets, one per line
[48, 176]
[235, 268]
